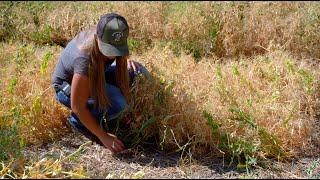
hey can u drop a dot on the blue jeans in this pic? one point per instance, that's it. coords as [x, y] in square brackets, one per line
[118, 102]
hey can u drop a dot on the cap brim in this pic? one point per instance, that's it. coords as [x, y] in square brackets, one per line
[111, 50]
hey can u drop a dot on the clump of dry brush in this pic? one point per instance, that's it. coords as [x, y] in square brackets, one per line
[250, 109]
[29, 112]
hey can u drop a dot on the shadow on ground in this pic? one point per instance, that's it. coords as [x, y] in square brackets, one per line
[148, 156]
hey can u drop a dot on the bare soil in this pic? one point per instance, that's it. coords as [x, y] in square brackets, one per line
[142, 162]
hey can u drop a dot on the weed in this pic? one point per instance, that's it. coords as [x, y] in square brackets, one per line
[43, 35]
[12, 84]
[44, 64]
[312, 170]
[7, 24]
[133, 44]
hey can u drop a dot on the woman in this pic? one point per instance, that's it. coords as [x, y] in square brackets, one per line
[93, 77]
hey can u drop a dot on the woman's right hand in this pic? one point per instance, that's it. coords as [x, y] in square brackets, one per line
[111, 142]
[79, 97]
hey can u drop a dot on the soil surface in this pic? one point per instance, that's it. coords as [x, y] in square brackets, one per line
[98, 162]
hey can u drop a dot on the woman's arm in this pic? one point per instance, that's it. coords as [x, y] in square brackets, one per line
[79, 97]
[134, 66]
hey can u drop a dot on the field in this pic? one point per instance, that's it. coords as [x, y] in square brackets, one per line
[235, 82]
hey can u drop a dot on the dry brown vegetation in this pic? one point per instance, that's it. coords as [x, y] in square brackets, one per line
[27, 99]
[238, 80]
[201, 28]
[267, 102]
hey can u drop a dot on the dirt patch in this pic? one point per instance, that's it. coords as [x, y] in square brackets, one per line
[140, 162]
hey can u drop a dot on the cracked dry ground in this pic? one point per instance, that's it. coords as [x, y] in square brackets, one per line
[98, 162]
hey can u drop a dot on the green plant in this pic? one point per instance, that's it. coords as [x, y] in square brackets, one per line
[133, 44]
[11, 143]
[44, 63]
[307, 79]
[213, 124]
[42, 35]
[312, 174]
[236, 147]
[12, 84]
[194, 49]
[7, 24]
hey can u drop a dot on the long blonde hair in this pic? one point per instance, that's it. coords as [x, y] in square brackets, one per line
[96, 74]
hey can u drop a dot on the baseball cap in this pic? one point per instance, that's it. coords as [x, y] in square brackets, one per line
[112, 33]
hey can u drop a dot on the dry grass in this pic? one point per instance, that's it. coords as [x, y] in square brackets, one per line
[27, 102]
[269, 102]
[250, 27]
[248, 108]
[200, 28]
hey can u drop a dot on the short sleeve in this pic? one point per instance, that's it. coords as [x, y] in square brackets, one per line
[81, 66]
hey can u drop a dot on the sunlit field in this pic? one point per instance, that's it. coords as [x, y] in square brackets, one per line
[235, 80]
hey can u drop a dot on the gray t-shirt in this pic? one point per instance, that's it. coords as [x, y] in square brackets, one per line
[73, 59]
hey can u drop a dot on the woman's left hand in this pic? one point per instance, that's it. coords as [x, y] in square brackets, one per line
[134, 66]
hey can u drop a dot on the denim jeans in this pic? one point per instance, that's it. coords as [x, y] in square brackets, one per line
[118, 102]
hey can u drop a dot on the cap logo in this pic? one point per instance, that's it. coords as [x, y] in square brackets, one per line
[117, 36]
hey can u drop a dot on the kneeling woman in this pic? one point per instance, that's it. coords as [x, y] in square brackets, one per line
[93, 78]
